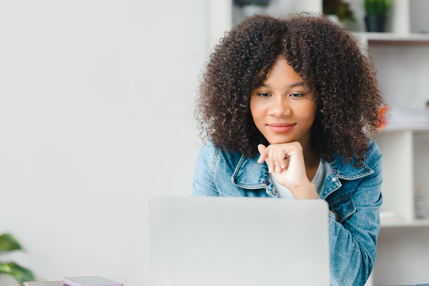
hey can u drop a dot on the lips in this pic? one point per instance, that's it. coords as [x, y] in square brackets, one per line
[281, 124]
[281, 127]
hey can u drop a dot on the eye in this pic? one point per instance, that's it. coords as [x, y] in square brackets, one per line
[264, 94]
[296, 95]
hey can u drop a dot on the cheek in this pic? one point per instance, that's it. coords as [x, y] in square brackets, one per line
[256, 110]
[307, 112]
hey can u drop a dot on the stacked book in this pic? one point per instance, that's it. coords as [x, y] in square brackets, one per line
[394, 118]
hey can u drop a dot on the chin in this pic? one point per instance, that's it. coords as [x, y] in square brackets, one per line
[280, 139]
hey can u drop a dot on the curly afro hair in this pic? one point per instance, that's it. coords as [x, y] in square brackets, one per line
[326, 56]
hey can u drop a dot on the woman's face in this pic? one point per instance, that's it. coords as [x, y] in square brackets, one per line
[281, 110]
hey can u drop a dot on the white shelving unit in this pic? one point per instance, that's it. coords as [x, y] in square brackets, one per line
[399, 156]
[401, 59]
[414, 223]
[393, 38]
[403, 249]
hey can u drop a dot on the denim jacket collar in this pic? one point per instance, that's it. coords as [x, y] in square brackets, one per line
[347, 171]
[246, 174]
[249, 174]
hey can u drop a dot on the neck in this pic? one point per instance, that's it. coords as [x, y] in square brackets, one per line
[311, 157]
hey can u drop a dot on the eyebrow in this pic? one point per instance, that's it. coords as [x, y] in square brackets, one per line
[290, 86]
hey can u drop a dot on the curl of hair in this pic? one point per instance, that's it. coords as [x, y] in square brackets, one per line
[326, 56]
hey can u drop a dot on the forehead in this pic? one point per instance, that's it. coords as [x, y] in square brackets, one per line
[281, 73]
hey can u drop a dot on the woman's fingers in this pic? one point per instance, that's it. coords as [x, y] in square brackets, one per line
[270, 163]
[262, 150]
[265, 156]
[274, 156]
[275, 160]
[278, 158]
[287, 163]
[281, 158]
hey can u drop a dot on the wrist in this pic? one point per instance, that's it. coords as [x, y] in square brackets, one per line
[307, 192]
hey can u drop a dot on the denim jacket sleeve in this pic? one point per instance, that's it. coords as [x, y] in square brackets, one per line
[352, 243]
[203, 184]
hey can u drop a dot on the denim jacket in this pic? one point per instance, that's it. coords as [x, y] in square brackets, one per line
[353, 195]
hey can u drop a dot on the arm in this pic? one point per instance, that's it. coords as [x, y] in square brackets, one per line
[352, 244]
[204, 173]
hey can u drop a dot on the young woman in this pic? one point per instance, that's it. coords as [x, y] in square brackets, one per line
[288, 106]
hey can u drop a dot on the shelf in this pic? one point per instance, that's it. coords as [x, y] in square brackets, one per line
[415, 223]
[415, 131]
[397, 37]
[393, 38]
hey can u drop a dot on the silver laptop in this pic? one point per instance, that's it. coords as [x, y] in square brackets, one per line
[205, 241]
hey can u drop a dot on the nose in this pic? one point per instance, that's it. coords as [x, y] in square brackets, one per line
[280, 107]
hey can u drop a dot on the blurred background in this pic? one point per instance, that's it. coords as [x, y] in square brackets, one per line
[96, 116]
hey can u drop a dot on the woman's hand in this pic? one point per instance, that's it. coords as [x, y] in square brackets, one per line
[286, 163]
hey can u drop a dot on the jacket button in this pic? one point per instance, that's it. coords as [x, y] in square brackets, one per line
[267, 182]
[334, 171]
[333, 179]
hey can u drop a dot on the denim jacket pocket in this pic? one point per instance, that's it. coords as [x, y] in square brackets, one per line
[342, 207]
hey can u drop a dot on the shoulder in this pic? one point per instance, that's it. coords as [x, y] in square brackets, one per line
[208, 150]
[373, 155]
[213, 156]
[371, 163]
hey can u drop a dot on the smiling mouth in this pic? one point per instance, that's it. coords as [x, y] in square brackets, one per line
[281, 124]
[281, 127]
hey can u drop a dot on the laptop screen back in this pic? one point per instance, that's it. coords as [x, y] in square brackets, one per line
[238, 241]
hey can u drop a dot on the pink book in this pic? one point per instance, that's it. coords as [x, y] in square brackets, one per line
[44, 283]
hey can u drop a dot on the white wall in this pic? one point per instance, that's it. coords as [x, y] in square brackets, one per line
[96, 116]
[282, 8]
